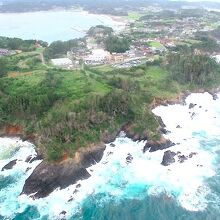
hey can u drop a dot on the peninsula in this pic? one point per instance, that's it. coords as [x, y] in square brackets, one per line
[72, 97]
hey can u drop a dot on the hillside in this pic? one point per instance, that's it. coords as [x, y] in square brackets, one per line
[69, 109]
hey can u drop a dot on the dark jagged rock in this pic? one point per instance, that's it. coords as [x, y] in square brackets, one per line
[9, 165]
[27, 169]
[129, 158]
[112, 145]
[191, 105]
[63, 213]
[49, 176]
[160, 121]
[78, 185]
[109, 153]
[178, 126]
[164, 131]
[89, 158]
[168, 158]
[199, 165]
[193, 115]
[128, 129]
[182, 158]
[214, 95]
[38, 157]
[75, 191]
[108, 137]
[71, 199]
[28, 159]
[134, 136]
[192, 154]
[153, 146]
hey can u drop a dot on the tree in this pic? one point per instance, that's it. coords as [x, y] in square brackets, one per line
[100, 30]
[188, 67]
[59, 48]
[116, 44]
[3, 67]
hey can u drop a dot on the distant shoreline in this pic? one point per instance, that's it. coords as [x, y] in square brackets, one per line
[118, 19]
[118, 23]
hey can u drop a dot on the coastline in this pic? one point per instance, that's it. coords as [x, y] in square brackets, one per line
[107, 20]
[131, 158]
[180, 99]
[74, 169]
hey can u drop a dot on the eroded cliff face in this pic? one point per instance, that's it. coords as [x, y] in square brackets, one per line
[49, 176]
[10, 130]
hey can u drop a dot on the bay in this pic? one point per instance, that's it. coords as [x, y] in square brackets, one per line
[52, 25]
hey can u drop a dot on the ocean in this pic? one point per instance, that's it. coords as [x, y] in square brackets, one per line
[140, 188]
[54, 25]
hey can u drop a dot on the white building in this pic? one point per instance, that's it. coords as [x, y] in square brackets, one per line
[62, 62]
[97, 56]
[217, 58]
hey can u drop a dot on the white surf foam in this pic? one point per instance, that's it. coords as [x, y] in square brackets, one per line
[186, 182]
[11, 149]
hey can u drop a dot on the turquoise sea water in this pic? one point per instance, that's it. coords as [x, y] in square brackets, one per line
[51, 25]
[140, 190]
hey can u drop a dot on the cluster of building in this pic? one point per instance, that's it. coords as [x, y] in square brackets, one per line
[151, 36]
[97, 55]
[4, 52]
[101, 56]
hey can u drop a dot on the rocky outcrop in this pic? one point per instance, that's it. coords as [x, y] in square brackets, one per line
[153, 146]
[49, 176]
[129, 131]
[168, 158]
[182, 158]
[160, 121]
[214, 95]
[129, 158]
[180, 99]
[192, 154]
[191, 105]
[9, 165]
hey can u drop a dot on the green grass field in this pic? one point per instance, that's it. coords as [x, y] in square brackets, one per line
[156, 44]
[134, 15]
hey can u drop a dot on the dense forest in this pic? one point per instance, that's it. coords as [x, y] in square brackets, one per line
[207, 42]
[65, 123]
[188, 67]
[59, 49]
[19, 44]
[116, 44]
[102, 30]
